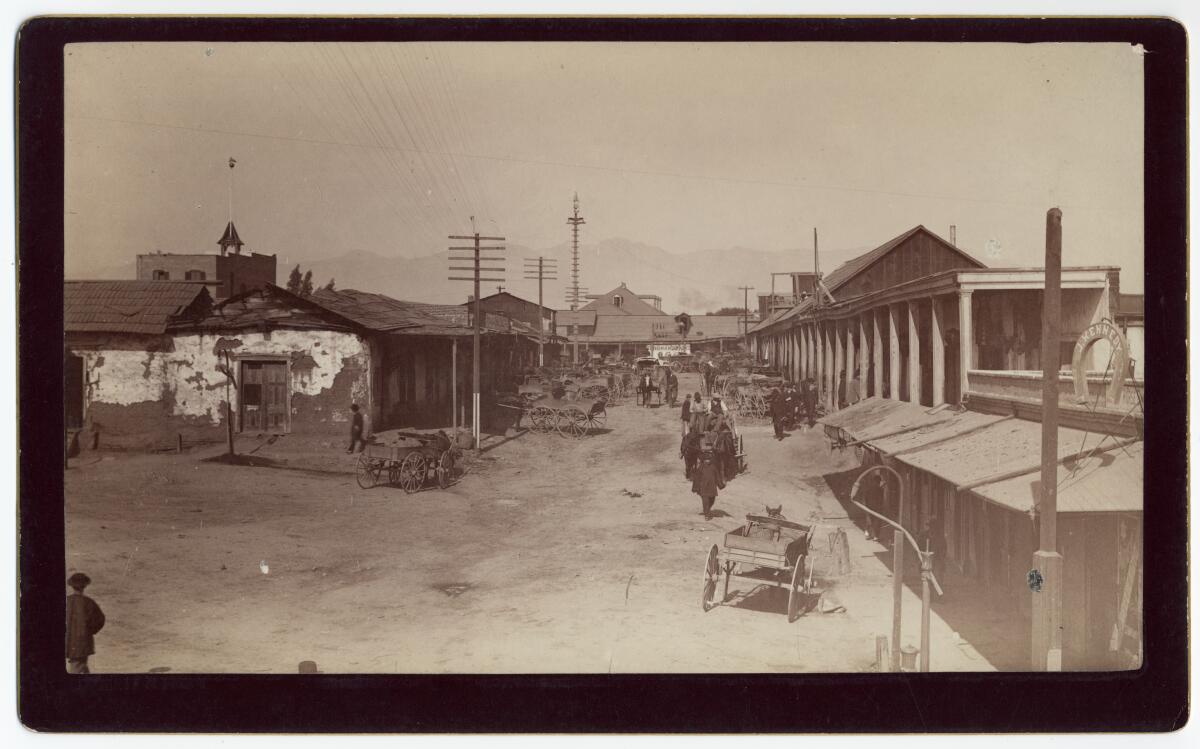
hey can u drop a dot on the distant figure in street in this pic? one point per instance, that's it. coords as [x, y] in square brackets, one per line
[672, 385]
[685, 415]
[706, 480]
[854, 389]
[689, 450]
[699, 413]
[708, 370]
[779, 410]
[809, 398]
[841, 389]
[717, 406]
[356, 429]
[84, 620]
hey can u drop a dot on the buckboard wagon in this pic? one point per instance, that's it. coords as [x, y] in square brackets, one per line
[410, 467]
[768, 550]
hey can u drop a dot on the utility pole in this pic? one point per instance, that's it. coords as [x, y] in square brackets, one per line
[538, 268]
[573, 293]
[472, 254]
[816, 270]
[746, 315]
[1045, 580]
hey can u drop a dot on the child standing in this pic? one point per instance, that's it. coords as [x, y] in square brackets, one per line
[706, 480]
[84, 620]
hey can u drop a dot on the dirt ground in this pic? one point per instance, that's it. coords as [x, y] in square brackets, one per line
[549, 555]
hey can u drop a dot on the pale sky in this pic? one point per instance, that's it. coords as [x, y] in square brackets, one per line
[390, 147]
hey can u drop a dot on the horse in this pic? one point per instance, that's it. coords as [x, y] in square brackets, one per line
[646, 387]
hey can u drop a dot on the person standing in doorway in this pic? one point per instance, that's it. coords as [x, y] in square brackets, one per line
[84, 620]
[841, 389]
[356, 429]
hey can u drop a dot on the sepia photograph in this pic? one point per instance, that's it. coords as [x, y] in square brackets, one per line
[480, 360]
[593, 358]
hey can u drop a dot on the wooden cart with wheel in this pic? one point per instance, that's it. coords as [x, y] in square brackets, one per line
[411, 467]
[768, 550]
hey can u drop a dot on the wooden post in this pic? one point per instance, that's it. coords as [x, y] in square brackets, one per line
[966, 339]
[926, 571]
[936, 333]
[894, 352]
[454, 386]
[897, 593]
[179, 444]
[864, 346]
[1047, 646]
[914, 355]
[877, 354]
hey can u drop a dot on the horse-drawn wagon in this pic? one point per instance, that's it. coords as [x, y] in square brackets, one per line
[769, 550]
[433, 458]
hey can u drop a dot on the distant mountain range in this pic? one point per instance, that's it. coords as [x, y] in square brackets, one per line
[698, 282]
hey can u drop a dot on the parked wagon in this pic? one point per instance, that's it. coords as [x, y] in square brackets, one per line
[411, 467]
[768, 550]
[564, 417]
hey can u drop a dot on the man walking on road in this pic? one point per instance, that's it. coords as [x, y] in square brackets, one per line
[779, 409]
[84, 620]
[685, 414]
[706, 480]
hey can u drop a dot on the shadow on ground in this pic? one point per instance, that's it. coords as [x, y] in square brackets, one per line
[981, 618]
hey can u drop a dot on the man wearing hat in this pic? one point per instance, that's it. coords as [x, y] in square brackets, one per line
[84, 620]
[707, 479]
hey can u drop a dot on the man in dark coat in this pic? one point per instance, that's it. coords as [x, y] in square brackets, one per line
[779, 410]
[689, 450]
[706, 481]
[356, 429]
[84, 620]
[685, 415]
[726, 450]
[810, 401]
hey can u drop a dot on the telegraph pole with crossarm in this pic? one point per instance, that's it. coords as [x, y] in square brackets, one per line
[472, 255]
[541, 269]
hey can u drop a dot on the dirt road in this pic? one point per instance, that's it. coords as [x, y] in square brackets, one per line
[551, 555]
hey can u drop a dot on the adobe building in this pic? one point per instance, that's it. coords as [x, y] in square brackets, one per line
[225, 274]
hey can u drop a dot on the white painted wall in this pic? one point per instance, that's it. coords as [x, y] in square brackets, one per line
[188, 374]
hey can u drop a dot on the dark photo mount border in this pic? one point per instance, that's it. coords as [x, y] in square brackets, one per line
[1154, 698]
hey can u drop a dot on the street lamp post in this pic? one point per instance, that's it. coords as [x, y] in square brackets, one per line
[927, 576]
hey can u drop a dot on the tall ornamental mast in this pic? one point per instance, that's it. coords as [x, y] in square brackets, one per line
[574, 296]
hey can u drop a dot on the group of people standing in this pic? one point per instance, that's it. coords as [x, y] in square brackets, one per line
[708, 448]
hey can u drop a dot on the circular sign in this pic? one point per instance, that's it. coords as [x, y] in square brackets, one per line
[1100, 331]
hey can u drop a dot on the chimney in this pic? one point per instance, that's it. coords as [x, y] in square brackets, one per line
[953, 235]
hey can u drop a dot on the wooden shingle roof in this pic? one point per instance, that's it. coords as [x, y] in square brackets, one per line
[851, 268]
[142, 307]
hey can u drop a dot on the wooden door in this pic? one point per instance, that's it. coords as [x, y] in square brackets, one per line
[251, 396]
[275, 396]
[263, 399]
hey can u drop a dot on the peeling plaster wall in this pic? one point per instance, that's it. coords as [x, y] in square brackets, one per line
[144, 390]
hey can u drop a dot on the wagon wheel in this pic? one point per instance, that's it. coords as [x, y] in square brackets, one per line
[412, 472]
[712, 571]
[367, 471]
[571, 423]
[796, 591]
[542, 419]
[445, 468]
[597, 419]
